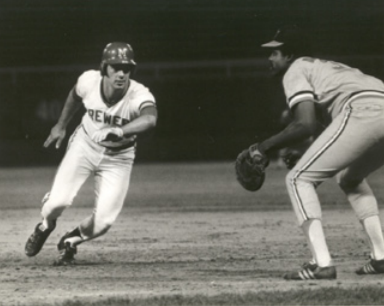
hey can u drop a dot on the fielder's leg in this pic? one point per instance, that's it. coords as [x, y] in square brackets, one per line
[364, 203]
[348, 137]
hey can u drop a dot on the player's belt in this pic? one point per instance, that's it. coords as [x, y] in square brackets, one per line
[365, 93]
[123, 147]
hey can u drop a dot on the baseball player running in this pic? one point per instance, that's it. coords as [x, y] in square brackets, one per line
[117, 110]
[350, 147]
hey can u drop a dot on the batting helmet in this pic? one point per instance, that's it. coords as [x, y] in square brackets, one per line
[117, 53]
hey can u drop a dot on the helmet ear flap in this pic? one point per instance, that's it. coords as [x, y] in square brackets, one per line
[102, 68]
[133, 69]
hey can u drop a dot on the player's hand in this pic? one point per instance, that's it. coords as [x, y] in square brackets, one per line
[57, 135]
[250, 168]
[110, 133]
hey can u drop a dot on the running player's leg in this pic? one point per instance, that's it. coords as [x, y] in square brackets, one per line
[71, 174]
[73, 171]
[111, 187]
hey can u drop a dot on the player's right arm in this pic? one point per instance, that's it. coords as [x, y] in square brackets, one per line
[303, 126]
[58, 132]
[302, 102]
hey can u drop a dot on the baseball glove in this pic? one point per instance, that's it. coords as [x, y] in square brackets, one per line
[250, 168]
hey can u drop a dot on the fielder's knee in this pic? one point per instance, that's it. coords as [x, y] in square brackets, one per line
[303, 197]
[289, 179]
[347, 184]
[291, 182]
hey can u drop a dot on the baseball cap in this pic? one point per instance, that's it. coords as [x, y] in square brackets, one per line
[286, 35]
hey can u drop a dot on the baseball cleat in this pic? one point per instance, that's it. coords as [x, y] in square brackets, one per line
[67, 254]
[312, 271]
[372, 267]
[310, 264]
[36, 241]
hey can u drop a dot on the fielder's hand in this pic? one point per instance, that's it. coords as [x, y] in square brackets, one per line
[57, 135]
[110, 133]
[250, 168]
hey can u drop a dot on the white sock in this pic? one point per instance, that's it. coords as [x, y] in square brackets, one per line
[74, 240]
[372, 227]
[45, 224]
[313, 230]
[313, 261]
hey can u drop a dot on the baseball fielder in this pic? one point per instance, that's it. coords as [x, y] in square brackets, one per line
[104, 144]
[350, 147]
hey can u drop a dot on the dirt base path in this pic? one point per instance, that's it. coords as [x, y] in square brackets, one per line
[168, 253]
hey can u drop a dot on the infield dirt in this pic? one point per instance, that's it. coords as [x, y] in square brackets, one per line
[185, 229]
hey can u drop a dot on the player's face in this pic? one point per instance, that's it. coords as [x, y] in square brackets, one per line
[118, 75]
[279, 62]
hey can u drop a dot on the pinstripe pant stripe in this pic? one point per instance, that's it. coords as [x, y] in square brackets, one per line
[310, 162]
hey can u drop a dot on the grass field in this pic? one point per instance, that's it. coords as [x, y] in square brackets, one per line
[188, 235]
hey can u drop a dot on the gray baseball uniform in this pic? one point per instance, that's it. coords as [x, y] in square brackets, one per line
[351, 146]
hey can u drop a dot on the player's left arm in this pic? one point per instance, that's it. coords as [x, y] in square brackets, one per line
[302, 126]
[145, 122]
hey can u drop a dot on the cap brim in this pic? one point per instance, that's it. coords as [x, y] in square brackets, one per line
[272, 44]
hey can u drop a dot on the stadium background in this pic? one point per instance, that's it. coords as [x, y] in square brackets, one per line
[201, 59]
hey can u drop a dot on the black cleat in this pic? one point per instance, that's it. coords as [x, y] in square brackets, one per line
[312, 271]
[67, 255]
[36, 241]
[310, 265]
[66, 250]
[372, 267]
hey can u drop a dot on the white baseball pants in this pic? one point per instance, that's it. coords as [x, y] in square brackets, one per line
[111, 171]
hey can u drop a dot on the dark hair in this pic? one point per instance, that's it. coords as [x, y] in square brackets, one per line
[291, 40]
[297, 51]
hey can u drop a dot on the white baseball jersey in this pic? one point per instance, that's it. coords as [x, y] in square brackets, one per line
[99, 115]
[327, 83]
[110, 163]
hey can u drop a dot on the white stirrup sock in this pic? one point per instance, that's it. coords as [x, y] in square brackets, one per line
[45, 224]
[372, 227]
[74, 240]
[313, 230]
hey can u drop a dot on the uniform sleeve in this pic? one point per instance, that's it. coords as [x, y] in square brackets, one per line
[85, 82]
[142, 98]
[297, 83]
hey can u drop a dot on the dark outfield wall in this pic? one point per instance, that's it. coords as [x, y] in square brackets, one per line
[201, 117]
